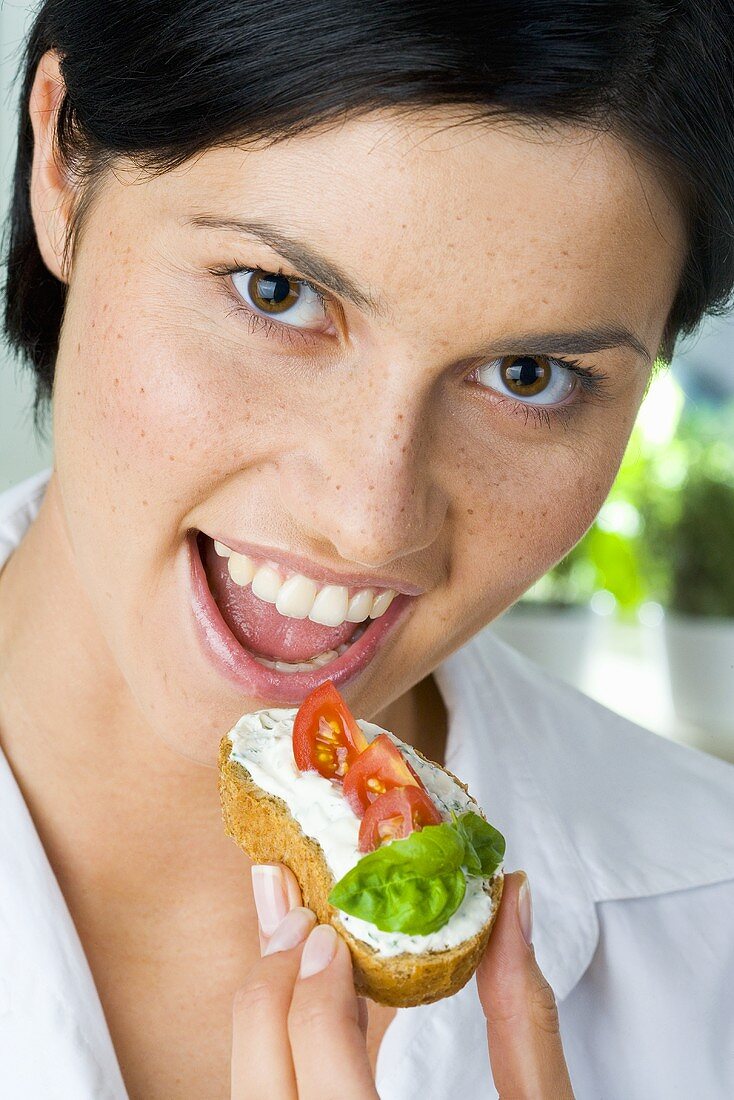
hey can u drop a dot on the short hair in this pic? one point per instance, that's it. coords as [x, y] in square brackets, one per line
[160, 82]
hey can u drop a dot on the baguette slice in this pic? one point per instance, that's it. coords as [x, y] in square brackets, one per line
[263, 826]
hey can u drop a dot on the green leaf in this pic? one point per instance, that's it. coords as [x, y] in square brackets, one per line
[484, 845]
[411, 885]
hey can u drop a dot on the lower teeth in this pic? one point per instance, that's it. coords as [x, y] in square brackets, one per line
[319, 661]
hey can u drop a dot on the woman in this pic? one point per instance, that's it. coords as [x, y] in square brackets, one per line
[370, 295]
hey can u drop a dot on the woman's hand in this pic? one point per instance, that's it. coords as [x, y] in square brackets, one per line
[524, 1039]
[299, 1028]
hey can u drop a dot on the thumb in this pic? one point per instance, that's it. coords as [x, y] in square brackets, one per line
[525, 1048]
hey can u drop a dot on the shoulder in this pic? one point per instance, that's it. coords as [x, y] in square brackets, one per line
[646, 815]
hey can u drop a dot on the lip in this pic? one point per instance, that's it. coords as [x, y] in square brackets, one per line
[257, 681]
[316, 572]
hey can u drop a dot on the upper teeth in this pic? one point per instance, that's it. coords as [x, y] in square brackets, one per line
[299, 597]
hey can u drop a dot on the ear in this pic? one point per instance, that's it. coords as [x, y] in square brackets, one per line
[50, 190]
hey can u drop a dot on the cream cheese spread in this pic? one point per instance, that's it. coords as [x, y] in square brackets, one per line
[262, 742]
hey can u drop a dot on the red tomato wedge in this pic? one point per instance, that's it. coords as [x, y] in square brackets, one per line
[326, 737]
[376, 770]
[394, 815]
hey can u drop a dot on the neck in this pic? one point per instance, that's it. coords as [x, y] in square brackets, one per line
[420, 718]
[114, 806]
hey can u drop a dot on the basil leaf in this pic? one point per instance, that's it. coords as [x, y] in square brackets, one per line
[484, 845]
[411, 885]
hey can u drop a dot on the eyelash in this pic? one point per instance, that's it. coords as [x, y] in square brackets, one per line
[591, 380]
[255, 321]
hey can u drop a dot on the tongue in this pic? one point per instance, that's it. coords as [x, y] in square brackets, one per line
[259, 627]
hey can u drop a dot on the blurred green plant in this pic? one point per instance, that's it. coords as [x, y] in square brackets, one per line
[666, 531]
[701, 547]
[603, 561]
[690, 529]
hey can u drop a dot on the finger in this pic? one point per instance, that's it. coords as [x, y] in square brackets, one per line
[276, 891]
[261, 1056]
[524, 1038]
[323, 1024]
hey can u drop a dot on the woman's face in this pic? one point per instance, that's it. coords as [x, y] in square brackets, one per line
[445, 425]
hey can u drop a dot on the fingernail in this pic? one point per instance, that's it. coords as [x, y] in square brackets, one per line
[525, 911]
[291, 931]
[271, 898]
[318, 951]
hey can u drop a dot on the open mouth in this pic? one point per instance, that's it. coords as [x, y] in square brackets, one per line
[279, 633]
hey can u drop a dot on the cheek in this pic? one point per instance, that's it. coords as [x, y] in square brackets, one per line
[149, 397]
[521, 511]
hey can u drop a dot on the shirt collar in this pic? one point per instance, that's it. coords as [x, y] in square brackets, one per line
[593, 807]
[485, 754]
[18, 508]
[52, 991]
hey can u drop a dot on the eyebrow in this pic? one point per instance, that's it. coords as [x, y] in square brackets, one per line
[313, 265]
[302, 256]
[600, 337]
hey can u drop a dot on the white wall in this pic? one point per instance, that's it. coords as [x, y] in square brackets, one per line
[21, 453]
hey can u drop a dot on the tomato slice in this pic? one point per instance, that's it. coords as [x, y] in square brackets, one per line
[379, 768]
[326, 737]
[394, 815]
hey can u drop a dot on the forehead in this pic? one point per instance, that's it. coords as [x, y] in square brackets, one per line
[503, 210]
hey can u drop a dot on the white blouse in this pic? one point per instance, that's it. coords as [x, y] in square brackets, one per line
[628, 841]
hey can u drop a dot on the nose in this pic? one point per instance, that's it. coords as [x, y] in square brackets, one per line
[366, 482]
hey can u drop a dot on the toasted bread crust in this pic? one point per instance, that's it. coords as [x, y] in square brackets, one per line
[264, 828]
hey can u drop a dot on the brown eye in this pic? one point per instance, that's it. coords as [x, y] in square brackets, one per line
[532, 379]
[272, 293]
[292, 301]
[527, 375]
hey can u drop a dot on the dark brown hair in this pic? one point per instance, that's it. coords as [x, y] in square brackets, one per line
[158, 82]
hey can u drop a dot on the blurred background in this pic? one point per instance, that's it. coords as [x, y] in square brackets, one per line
[640, 615]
